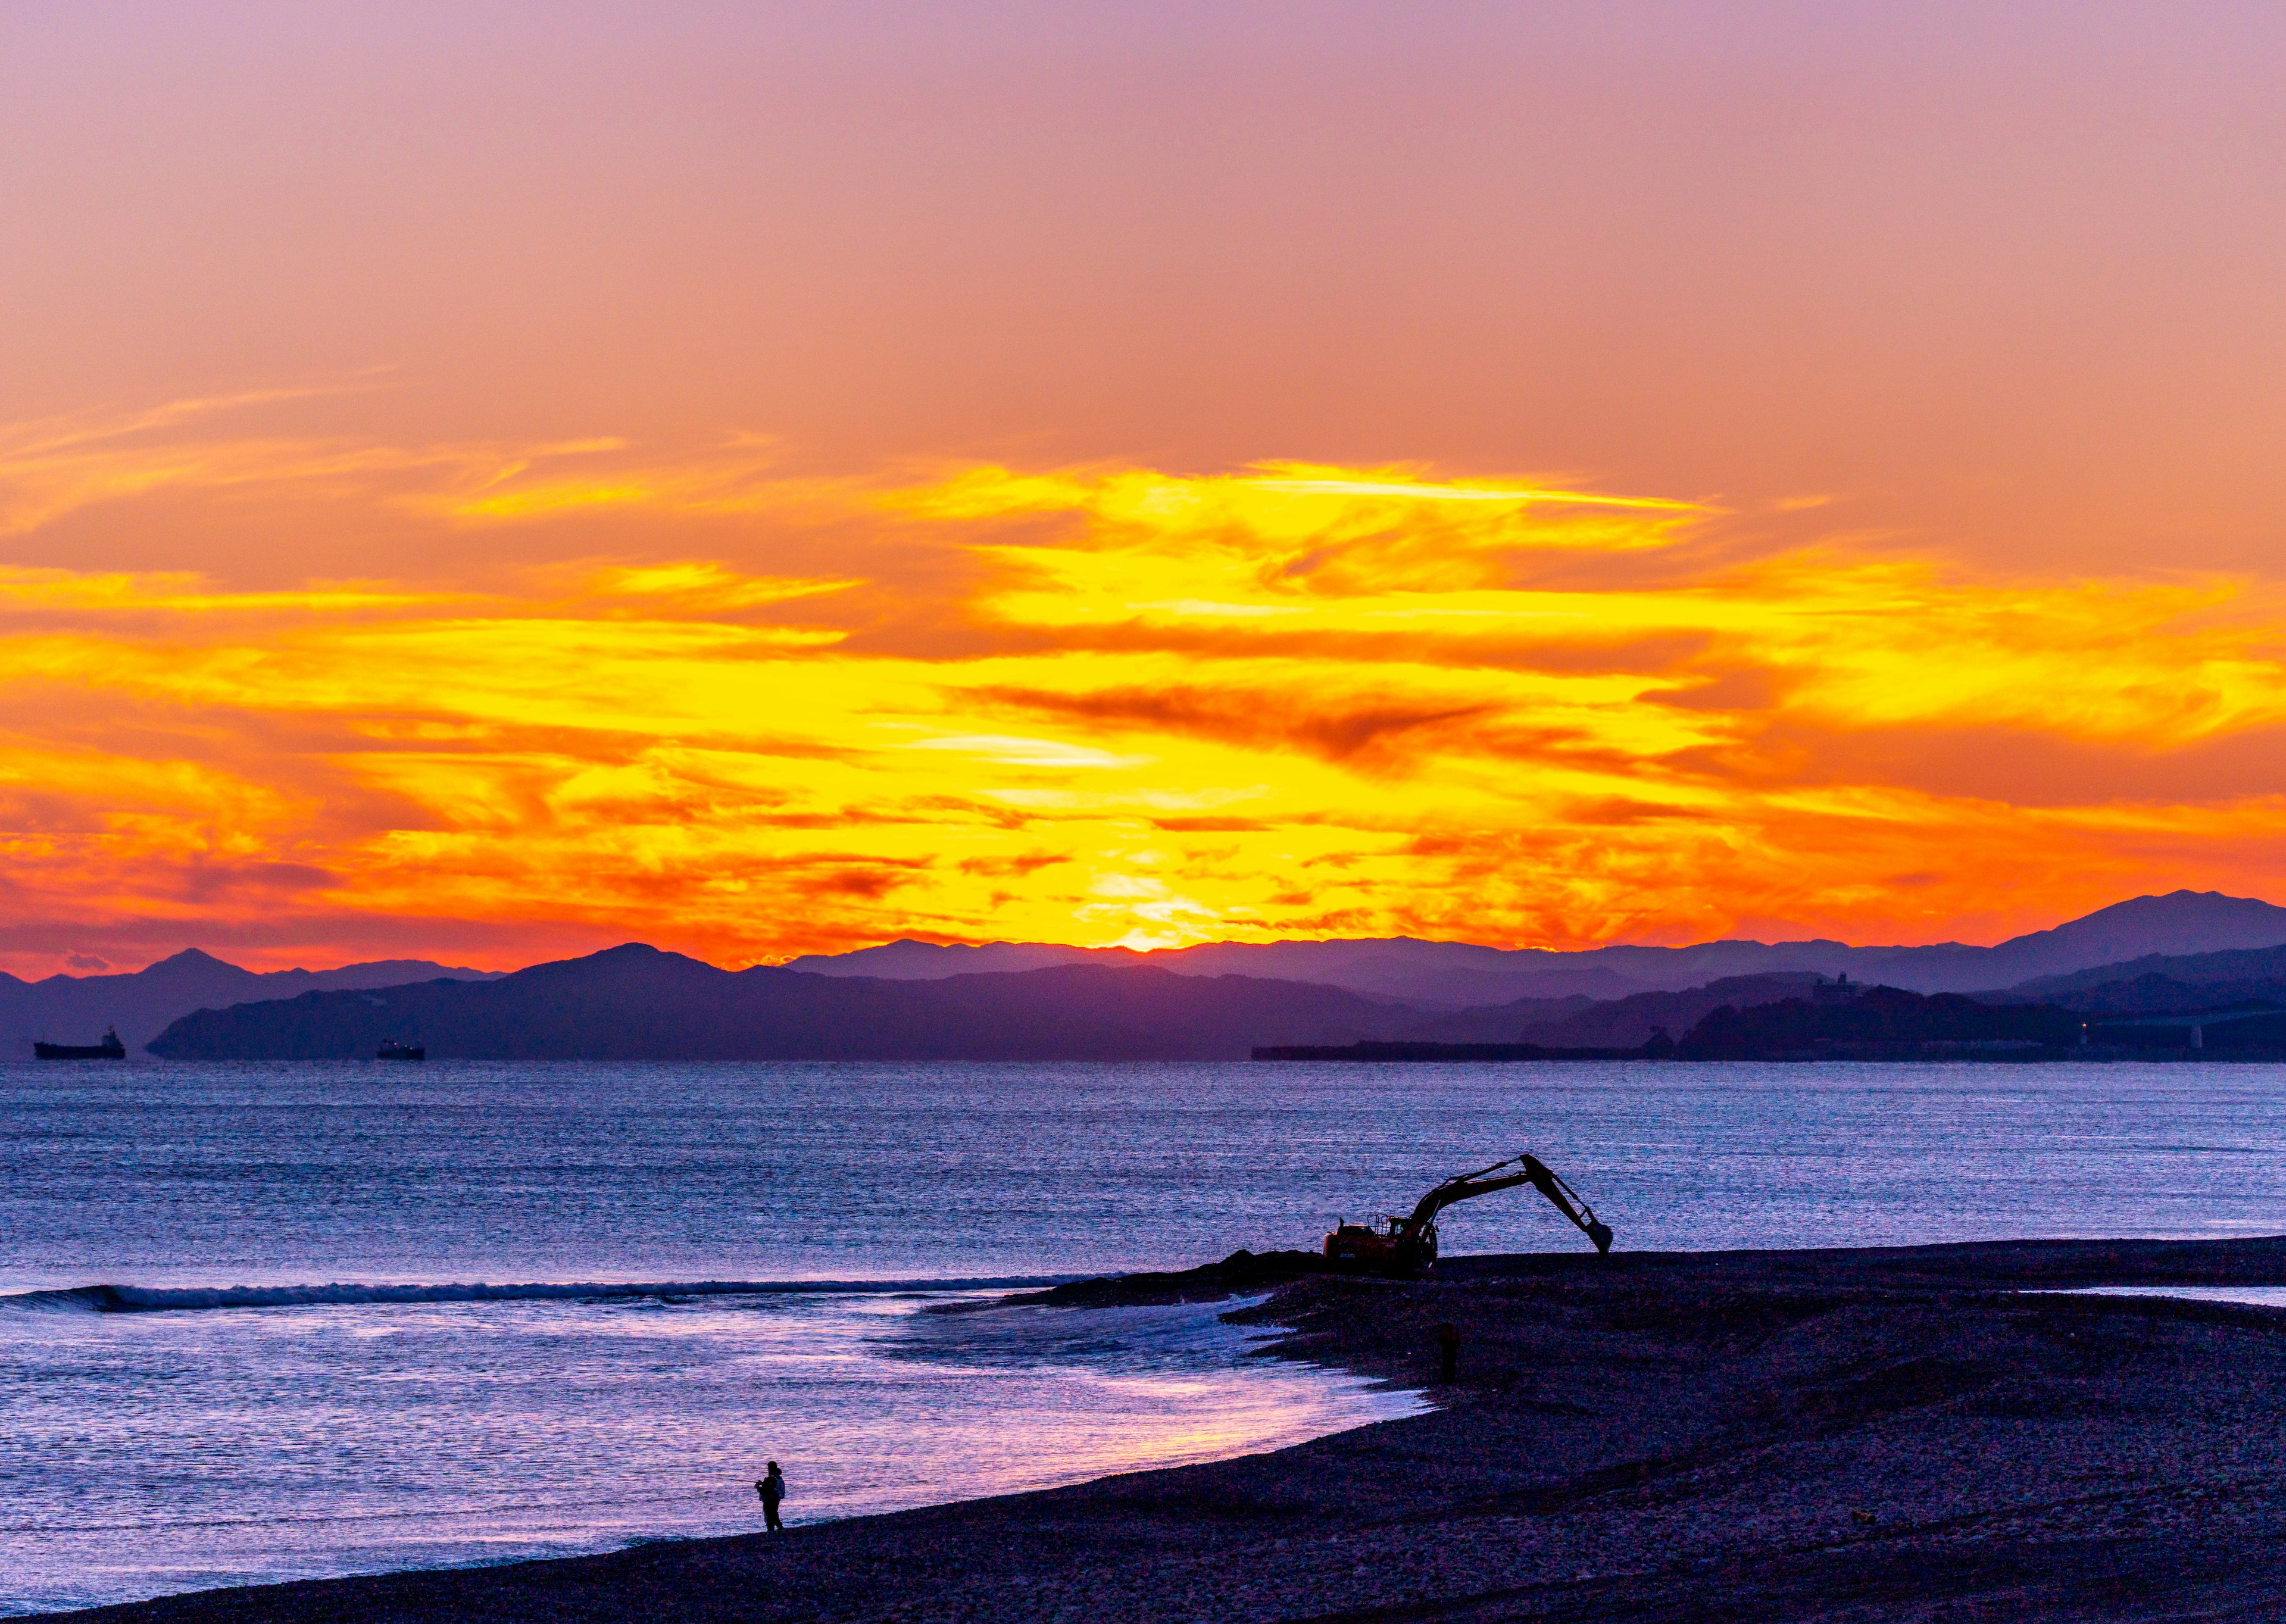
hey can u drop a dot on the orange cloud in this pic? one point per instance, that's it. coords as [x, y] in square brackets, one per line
[1288, 700]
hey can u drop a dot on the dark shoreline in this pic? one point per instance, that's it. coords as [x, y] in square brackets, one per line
[1864, 1434]
[1935, 1053]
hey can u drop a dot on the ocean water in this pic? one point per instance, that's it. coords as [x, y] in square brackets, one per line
[272, 1321]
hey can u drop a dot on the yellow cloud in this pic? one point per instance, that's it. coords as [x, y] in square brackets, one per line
[1306, 526]
[1003, 750]
[1287, 700]
[702, 584]
[32, 590]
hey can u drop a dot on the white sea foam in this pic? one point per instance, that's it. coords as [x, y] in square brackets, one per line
[171, 1299]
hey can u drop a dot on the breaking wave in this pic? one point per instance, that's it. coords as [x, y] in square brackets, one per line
[109, 1299]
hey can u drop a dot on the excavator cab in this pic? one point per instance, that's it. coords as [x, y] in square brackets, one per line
[1407, 1245]
[1398, 1245]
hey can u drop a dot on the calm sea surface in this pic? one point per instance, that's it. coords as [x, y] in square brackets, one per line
[359, 1404]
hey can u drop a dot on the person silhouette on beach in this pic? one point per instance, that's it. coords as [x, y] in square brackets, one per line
[772, 1489]
[1448, 1349]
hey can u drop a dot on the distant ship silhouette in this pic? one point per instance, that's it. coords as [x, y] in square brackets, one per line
[393, 1050]
[109, 1049]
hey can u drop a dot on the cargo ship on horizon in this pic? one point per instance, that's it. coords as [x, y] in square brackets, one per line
[109, 1049]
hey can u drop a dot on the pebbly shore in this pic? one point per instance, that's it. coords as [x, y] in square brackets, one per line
[1851, 1435]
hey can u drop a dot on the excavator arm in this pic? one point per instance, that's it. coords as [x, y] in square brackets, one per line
[1530, 1170]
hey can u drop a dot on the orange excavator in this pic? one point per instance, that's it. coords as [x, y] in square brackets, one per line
[1407, 1245]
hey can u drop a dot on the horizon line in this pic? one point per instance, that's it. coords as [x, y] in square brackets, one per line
[1148, 952]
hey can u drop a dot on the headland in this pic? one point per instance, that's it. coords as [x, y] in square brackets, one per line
[1874, 1434]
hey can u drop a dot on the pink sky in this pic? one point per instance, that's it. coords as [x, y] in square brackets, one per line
[1986, 291]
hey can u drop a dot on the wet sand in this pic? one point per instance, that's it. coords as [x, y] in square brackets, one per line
[1837, 1435]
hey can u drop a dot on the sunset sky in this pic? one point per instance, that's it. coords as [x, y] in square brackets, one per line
[489, 482]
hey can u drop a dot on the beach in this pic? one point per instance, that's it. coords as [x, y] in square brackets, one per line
[1303, 811]
[1954, 1431]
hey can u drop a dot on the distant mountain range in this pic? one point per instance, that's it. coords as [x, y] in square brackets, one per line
[637, 1003]
[1459, 975]
[2243, 966]
[1615, 1023]
[76, 1009]
[1028, 1001]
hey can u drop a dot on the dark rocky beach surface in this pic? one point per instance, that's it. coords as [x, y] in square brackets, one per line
[1895, 1434]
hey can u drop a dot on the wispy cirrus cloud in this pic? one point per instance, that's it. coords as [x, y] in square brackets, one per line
[51, 469]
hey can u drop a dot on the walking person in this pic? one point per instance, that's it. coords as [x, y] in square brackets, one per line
[1448, 1349]
[772, 1489]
